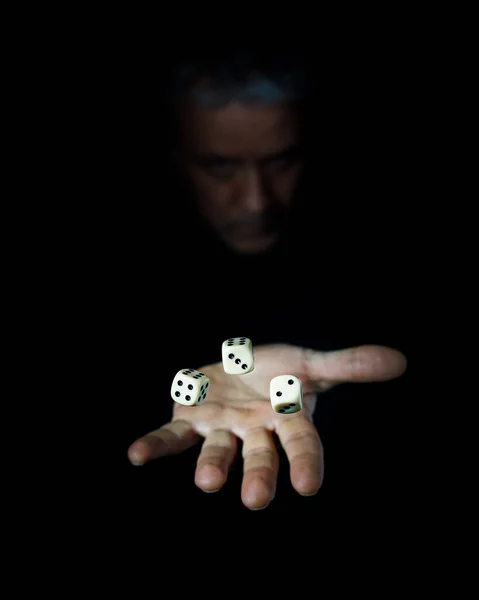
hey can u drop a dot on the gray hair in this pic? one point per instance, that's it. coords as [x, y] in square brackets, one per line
[241, 78]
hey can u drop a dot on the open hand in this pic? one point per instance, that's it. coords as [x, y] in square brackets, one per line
[239, 407]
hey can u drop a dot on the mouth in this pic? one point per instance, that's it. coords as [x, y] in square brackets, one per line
[251, 231]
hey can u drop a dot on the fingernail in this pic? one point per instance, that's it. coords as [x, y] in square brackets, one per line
[135, 460]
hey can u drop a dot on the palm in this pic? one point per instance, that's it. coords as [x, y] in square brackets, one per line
[238, 407]
[238, 403]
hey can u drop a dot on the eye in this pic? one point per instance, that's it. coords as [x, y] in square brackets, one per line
[220, 171]
[282, 163]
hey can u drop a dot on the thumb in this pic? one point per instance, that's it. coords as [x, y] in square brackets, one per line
[360, 364]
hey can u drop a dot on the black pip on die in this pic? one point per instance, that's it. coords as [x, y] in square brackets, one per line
[189, 387]
[286, 392]
[237, 354]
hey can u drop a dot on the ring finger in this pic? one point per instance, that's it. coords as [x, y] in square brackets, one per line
[215, 459]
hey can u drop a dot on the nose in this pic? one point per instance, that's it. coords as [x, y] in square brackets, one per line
[253, 193]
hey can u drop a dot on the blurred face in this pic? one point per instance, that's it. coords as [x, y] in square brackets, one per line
[243, 163]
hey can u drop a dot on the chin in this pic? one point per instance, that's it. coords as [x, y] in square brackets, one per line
[252, 245]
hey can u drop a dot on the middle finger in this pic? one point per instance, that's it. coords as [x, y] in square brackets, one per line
[261, 463]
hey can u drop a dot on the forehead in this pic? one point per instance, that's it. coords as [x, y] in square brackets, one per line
[238, 129]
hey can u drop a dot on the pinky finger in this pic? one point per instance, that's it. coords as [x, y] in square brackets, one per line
[172, 438]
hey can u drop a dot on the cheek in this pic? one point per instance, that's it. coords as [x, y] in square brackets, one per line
[213, 198]
[285, 184]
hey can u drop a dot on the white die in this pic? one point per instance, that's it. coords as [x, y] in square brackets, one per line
[286, 393]
[189, 387]
[237, 354]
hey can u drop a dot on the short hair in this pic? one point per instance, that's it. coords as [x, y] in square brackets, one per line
[243, 74]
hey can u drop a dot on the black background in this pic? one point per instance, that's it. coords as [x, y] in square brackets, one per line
[364, 183]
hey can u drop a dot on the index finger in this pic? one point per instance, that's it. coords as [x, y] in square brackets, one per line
[172, 438]
[303, 447]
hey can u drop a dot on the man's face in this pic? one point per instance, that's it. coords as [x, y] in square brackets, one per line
[243, 162]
